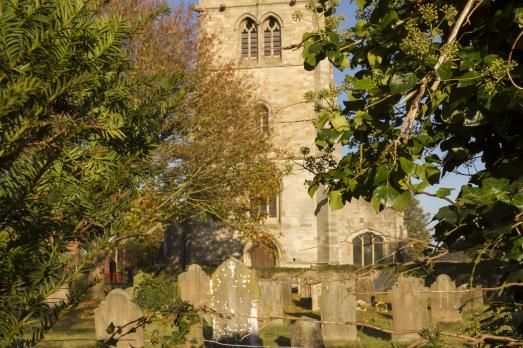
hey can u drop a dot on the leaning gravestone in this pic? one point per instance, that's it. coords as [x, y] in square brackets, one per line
[338, 304]
[119, 311]
[306, 333]
[193, 286]
[445, 301]
[272, 300]
[409, 308]
[234, 296]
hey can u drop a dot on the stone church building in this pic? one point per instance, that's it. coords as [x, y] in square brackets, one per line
[254, 34]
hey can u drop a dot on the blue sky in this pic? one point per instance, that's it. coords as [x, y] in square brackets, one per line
[429, 204]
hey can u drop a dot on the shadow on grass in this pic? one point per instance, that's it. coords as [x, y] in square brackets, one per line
[283, 341]
[304, 314]
[304, 303]
[374, 333]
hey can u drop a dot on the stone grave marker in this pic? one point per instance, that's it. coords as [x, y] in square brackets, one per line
[444, 300]
[315, 296]
[410, 315]
[365, 289]
[193, 286]
[234, 296]
[306, 333]
[286, 281]
[338, 304]
[119, 310]
[305, 281]
[471, 299]
[272, 299]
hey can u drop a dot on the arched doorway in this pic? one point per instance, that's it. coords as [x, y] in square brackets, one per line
[367, 249]
[262, 256]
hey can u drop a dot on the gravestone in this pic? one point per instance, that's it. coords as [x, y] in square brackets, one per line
[409, 308]
[365, 289]
[118, 310]
[445, 301]
[286, 281]
[272, 299]
[315, 296]
[305, 281]
[193, 286]
[338, 304]
[306, 333]
[471, 299]
[234, 296]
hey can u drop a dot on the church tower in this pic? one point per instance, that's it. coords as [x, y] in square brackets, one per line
[255, 35]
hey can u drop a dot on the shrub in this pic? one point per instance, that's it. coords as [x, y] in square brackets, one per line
[156, 293]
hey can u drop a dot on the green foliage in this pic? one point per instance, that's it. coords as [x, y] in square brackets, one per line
[434, 88]
[156, 293]
[75, 123]
[416, 222]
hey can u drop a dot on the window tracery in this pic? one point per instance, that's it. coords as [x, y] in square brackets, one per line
[249, 39]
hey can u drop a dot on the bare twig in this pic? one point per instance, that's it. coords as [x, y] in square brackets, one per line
[510, 60]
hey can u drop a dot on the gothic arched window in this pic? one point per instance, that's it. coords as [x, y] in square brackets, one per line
[367, 249]
[271, 38]
[249, 39]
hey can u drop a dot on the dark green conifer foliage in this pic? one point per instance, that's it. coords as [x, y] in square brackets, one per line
[75, 123]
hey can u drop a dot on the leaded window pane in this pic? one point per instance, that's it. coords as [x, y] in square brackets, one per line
[356, 251]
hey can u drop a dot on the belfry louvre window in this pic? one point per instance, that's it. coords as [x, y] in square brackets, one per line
[271, 38]
[367, 249]
[249, 39]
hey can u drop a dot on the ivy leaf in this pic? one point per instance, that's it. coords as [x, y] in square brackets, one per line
[385, 194]
[110, 328]
[335, 200]
[363, 84]
[401, 83]
[443, 192]
[312, 189]
[408, 166]
[445, 71]
[339, 122]
[402, 201]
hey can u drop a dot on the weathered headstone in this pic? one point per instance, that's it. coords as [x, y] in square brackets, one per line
[445, 301]
[315, 296]
[234, 296]
[272, 297]
[471, 299]
[119, 311]
[338, 304]
[286, 281]
[193, 286]
[409, 308]
[365, 289]
[306, 333]
[305, 281]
